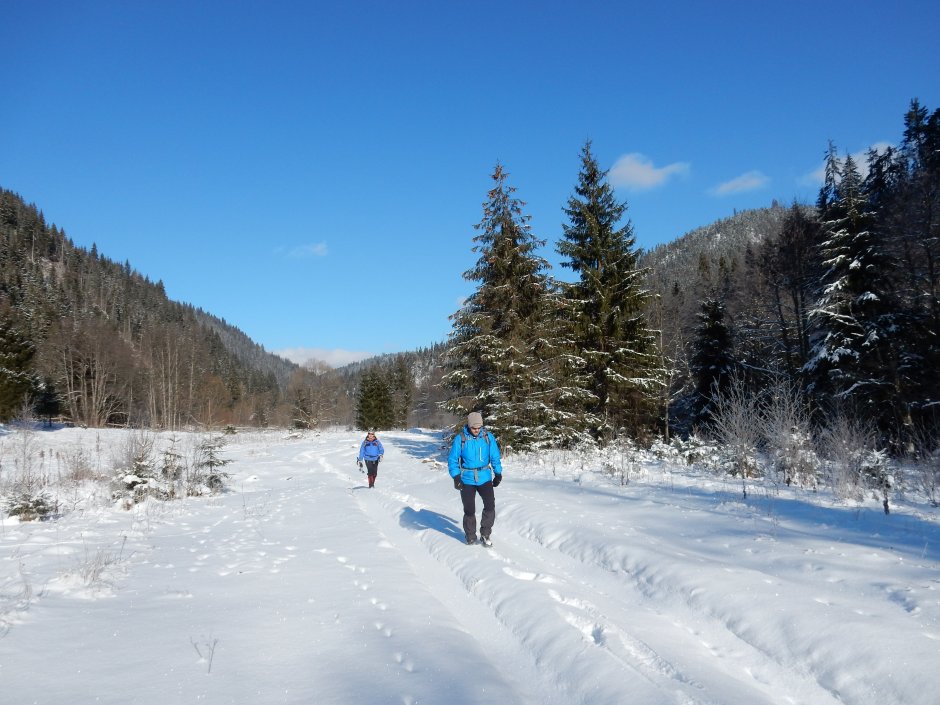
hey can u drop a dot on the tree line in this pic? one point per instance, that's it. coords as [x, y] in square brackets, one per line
[833, 305]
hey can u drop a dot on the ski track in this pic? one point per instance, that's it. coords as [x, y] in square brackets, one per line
[544, 617]
[517, 596]
[646, 675]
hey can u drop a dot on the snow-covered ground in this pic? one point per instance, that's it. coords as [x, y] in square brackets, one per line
[301, 585]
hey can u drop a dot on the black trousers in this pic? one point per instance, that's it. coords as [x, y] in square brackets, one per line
[468, 495]
[372, 467]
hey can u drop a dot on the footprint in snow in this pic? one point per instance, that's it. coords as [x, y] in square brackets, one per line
[527, 576]
[519, 574]
[571, 601]
[592, 631]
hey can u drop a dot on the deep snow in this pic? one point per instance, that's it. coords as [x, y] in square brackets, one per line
[301, 585]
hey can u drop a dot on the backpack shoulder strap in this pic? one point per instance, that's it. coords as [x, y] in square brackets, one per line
[463, 437]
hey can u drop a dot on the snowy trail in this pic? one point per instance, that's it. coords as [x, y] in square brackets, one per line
[302, 585]
[591, 620]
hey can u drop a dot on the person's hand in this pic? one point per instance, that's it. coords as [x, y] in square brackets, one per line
[458, 484]
[497, 478]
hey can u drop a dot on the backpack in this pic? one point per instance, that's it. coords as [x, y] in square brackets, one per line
[463, 441]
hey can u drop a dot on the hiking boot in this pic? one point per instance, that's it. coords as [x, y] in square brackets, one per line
[485, 541]
[470, 540]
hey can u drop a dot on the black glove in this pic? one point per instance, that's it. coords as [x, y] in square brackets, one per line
[458, 484]
[360, 464]
[497, 478]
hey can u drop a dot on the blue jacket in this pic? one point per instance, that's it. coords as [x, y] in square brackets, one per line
[371, 450]
[472, 458]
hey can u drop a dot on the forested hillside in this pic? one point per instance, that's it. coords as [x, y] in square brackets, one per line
[714, 263]
[96, 342]
[837, 303]
[396, 390]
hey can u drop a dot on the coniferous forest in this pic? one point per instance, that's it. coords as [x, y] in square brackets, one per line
[785, 327]
[792, 325]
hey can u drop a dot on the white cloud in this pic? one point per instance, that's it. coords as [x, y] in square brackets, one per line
[318, 249]
[636, 171]
[815, 177]
[750, 181]
[818, 175]
[334, 358]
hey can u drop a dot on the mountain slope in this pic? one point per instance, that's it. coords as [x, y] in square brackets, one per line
[87, 316]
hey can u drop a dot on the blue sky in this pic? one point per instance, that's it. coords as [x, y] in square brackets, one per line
[311, 172]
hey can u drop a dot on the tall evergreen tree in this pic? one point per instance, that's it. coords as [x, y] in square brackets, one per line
[712, 364]
[18, 382]
[829, 189]
[853, 362]
[374, 407]
[917, 215]
[402, 391]
[501, 352]
[611, 337]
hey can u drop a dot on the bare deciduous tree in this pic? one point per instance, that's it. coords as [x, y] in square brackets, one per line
[785, 426]
[93, 368]
[736, 425]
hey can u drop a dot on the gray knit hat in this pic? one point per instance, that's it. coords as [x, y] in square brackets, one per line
[475, 419]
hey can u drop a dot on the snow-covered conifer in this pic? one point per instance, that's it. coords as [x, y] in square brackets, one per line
[503, 352]
[374, 404]
[712, 364]
[854, 362]
[613, 346]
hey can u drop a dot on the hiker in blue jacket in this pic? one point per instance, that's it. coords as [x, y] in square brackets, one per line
[475, 468]
[371, 451]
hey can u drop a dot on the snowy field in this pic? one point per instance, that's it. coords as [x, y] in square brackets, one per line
[301, 585]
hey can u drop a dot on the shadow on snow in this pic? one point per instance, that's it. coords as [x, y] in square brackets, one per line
[429, 447]
[421, 519]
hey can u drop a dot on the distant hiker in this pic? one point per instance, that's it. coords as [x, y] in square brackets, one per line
[475, 468]
[371, 451]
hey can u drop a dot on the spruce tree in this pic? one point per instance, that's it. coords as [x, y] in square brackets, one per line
[402, 391]
[374, 407]
[712, 364]
[501, 355]
[914, 221]
[18, 382]
[854, 363]
[613, 346]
